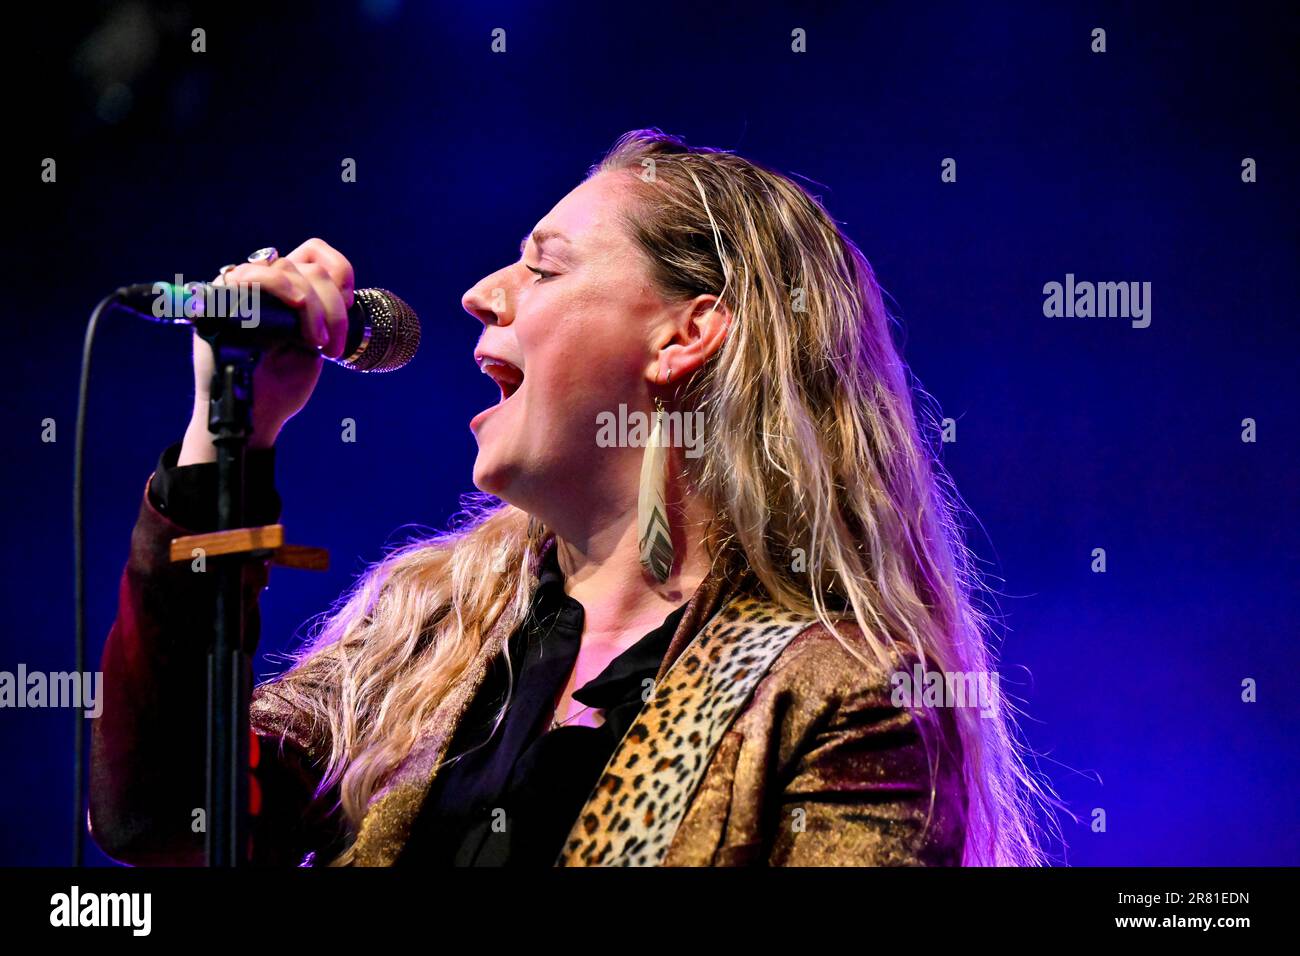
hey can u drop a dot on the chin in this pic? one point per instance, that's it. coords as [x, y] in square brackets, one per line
[493, 479]
[486, 480]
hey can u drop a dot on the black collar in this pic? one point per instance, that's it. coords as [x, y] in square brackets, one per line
[623, 679]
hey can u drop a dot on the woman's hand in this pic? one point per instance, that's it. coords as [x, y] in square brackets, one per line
[317, 281]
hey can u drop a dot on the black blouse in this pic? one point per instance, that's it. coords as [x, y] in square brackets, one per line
[507, 798]
[512, 801]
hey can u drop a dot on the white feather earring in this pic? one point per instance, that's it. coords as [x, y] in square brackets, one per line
[655, 537]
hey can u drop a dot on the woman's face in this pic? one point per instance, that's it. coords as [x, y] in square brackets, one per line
[577, 318]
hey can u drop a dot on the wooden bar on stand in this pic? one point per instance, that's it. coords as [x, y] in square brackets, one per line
[268, 539]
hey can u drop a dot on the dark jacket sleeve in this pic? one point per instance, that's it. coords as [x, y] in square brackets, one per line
[875, 785]
[824, 768]
[148, 766]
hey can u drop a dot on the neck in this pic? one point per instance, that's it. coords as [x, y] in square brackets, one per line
[600, 558]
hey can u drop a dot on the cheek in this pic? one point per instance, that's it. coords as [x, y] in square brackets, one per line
[582, 368]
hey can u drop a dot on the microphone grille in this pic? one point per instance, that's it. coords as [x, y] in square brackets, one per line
[392, 333]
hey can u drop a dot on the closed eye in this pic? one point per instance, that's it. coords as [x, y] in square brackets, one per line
[540, 273]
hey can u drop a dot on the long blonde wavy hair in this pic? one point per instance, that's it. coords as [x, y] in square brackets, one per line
[813, 449]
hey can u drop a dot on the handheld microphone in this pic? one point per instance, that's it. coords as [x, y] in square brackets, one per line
[383, 331]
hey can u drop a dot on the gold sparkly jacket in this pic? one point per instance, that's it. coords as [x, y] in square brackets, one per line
[766, 743]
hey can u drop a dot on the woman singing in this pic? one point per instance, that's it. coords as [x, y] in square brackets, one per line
[687, 626]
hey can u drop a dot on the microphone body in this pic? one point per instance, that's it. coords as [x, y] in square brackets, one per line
[383, 331]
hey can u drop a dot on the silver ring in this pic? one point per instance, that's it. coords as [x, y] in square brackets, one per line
[265, 256]
[221, 273]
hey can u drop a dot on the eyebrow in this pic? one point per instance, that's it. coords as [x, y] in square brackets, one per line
[540, 236]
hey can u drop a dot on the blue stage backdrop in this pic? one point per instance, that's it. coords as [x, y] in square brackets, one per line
[976, 155]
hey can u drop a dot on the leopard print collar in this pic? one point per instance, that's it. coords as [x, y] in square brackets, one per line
[634, 810]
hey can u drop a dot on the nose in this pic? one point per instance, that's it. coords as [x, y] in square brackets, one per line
[489, 300]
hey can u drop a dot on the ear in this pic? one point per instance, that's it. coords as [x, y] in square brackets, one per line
[695, 330]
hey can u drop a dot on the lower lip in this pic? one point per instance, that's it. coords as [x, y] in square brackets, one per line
[481, 416]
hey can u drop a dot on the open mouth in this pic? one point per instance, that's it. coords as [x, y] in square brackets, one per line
[508, 377]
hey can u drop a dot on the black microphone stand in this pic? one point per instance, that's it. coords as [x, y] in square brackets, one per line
[230, 416]
[236, 350]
